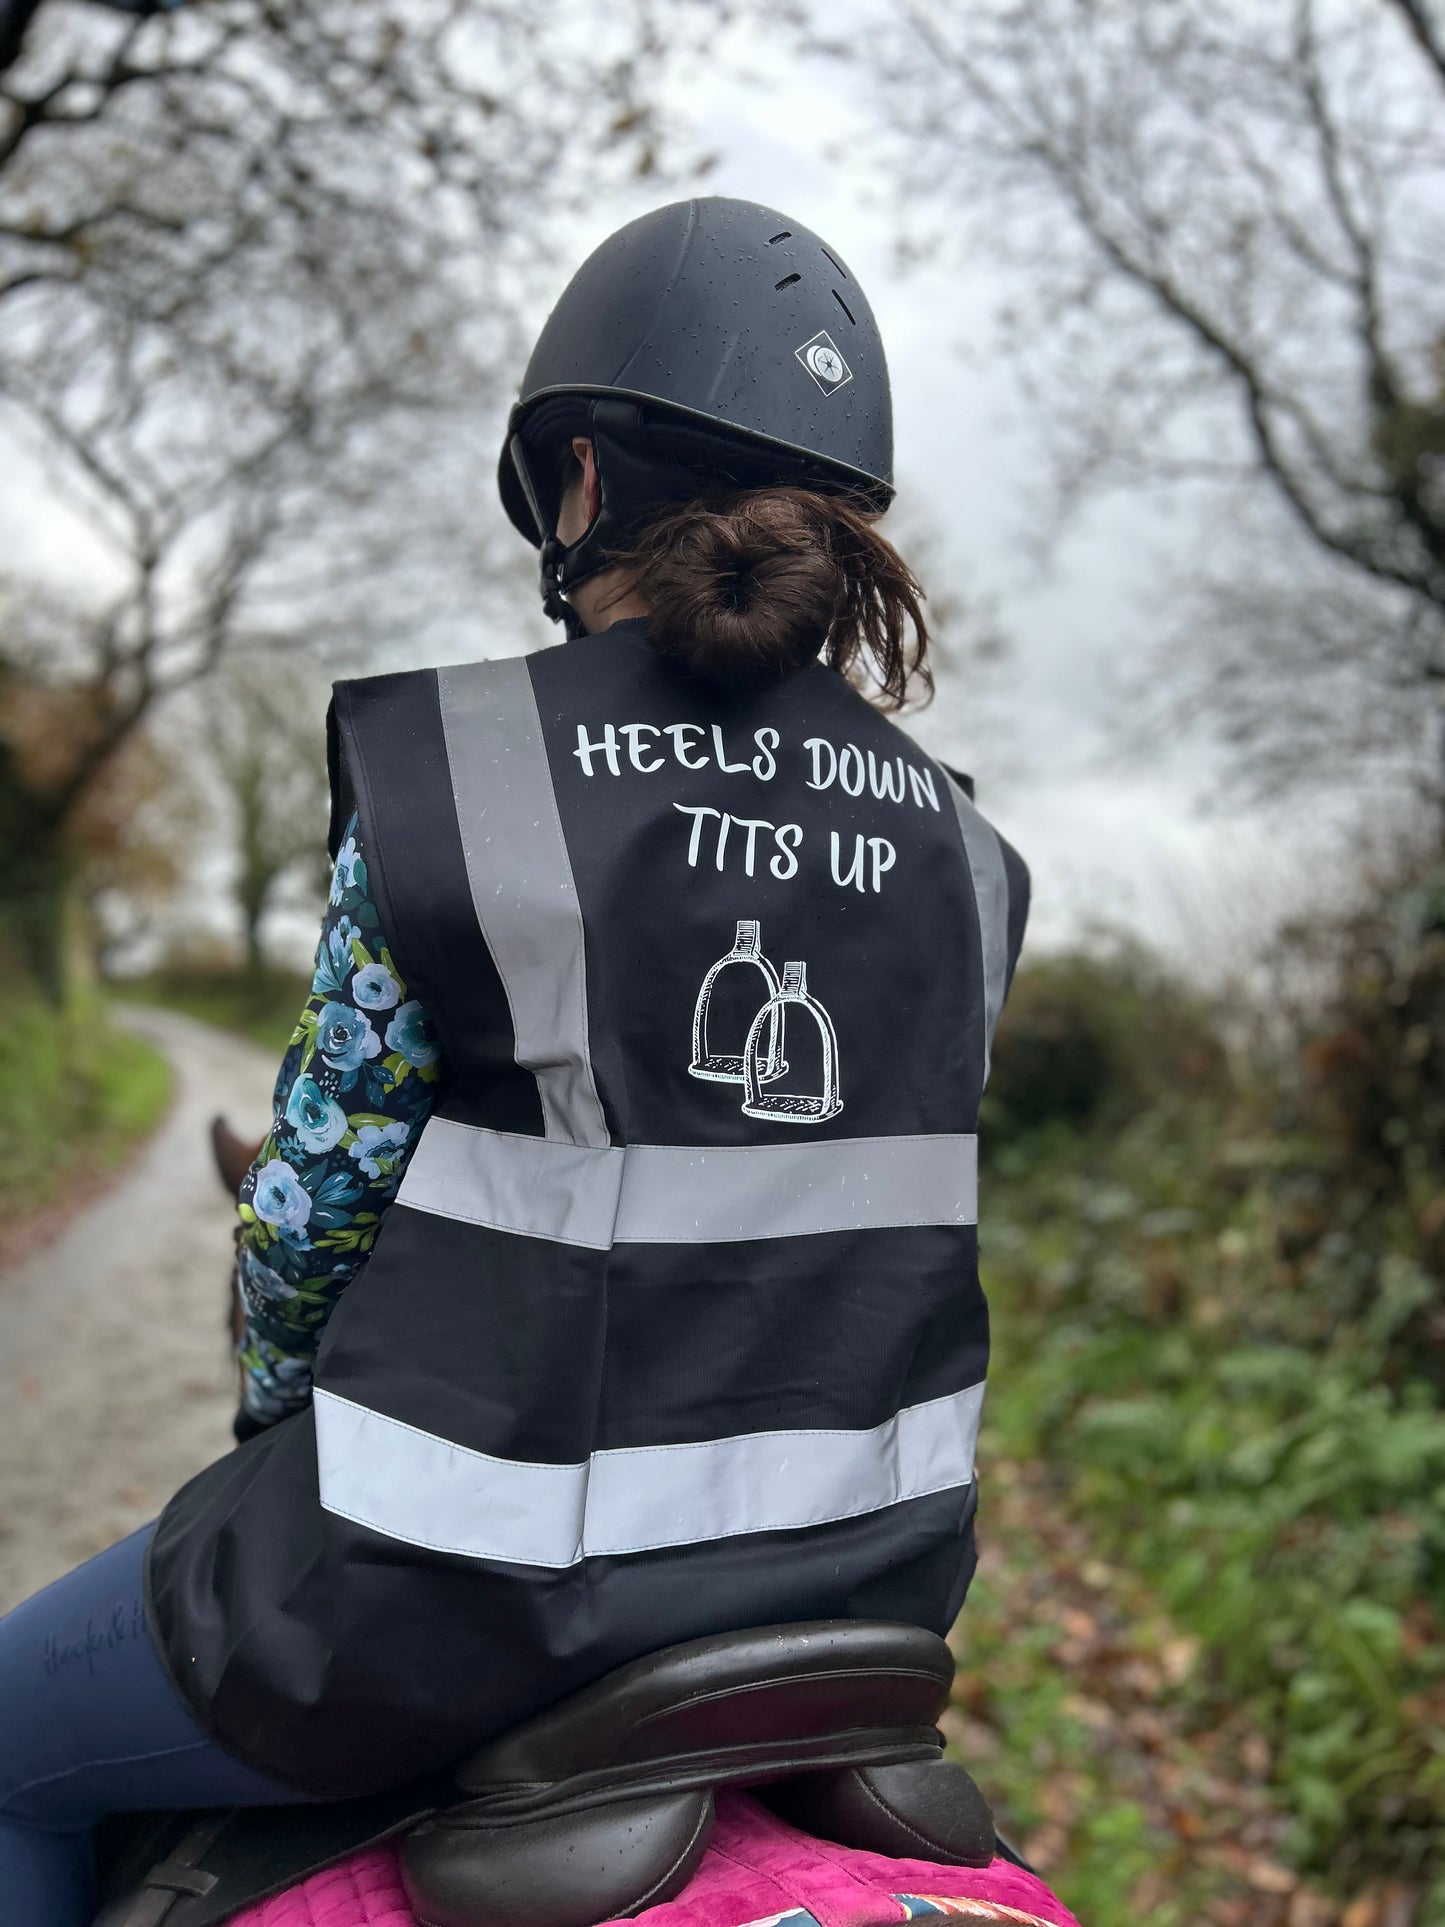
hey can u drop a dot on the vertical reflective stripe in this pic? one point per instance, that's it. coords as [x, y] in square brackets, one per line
[990, 889]
[522, 885]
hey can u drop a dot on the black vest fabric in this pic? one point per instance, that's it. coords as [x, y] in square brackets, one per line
[675, 1324]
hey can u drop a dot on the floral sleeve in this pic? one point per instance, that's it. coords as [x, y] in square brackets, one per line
[355, 1087]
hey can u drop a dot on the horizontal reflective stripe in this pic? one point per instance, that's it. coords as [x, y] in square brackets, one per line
[532, 1185]
[684, 1194]
[426, 1491]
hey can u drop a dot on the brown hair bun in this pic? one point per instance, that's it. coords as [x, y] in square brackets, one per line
[748, 588]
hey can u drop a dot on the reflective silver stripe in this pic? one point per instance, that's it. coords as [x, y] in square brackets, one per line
[429, 1492]
[522, 885]
[990, 889]
[678, 1194]
[675, 1194]
[565, 1192]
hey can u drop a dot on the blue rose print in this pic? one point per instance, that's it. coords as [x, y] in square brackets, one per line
[409, 1034]
[347, 1119]
[317, 1120]
[279, 1387]
[259, 1282]
[374, 988]
[378, 1147]
[345, 1038]
[280, 1198]
[334, 959]
[350, 870]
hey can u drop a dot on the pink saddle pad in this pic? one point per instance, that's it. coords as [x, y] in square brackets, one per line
[757, 1872]
[365, 1891]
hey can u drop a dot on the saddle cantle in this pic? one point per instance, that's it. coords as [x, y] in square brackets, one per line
[603, 1804]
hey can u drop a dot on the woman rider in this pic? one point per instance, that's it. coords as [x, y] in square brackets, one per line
[652, 1015]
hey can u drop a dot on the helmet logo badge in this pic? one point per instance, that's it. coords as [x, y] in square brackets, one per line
[824, 362]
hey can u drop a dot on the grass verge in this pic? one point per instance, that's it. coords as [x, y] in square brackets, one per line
[1276, 1494]
[80, 1095]
[264, 1009]
[1216, 1275]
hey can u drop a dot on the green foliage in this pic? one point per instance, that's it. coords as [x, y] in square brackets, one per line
[1220, 1318]
[1049, 1748]
[261, 1006]
[1369, 1089]
[1049, 1722]
[79, 1094]
[1091, 1037]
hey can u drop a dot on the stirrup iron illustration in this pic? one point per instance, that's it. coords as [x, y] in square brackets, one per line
[788, 1107]
[721, 1067]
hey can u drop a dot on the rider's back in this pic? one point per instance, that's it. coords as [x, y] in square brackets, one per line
[675, 1325]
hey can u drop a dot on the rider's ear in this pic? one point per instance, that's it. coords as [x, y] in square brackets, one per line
[585, 457]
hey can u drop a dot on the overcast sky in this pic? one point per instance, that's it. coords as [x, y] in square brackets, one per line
[1106, 840]
[1155, 847]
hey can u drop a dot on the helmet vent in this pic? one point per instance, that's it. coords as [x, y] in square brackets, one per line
[787, 235]
[844, 306]
[787, 281]
[839, 266]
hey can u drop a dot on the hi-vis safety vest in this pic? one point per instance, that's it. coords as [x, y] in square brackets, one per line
[674, 1326]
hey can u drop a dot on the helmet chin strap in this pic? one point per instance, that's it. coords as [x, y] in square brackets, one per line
[634, 482]
[562, 565]
[555, 605]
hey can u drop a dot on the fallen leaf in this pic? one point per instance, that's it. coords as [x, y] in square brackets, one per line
[1269, 1877]
[1308, 1909]
[1045, 1847]
[1177, 1657]
[1363, 1911]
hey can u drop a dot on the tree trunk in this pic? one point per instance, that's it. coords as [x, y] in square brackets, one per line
[253, 911]
[33, 880]
[15, 17]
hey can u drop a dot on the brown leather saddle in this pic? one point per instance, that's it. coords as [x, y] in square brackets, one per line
[603, 1804]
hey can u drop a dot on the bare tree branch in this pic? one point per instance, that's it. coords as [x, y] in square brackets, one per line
[262, 274]
[1224, 224]
[1425, 30]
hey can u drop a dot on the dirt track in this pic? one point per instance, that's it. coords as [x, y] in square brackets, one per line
[115, 1375]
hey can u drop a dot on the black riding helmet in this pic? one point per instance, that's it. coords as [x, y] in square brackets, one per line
[712, 343]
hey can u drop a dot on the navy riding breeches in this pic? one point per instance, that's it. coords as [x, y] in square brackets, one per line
[89, 1725]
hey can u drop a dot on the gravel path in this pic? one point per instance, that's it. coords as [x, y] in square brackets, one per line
[115, 1376]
